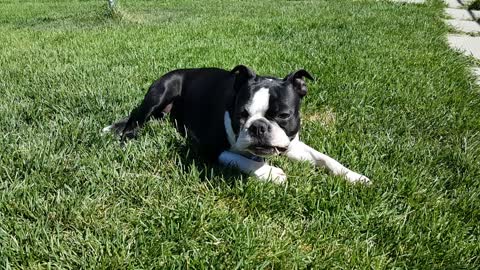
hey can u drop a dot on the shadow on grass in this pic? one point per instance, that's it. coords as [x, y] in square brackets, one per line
[210, 170]
[189, 156]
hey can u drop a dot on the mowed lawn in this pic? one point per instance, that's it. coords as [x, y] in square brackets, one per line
[389, 100]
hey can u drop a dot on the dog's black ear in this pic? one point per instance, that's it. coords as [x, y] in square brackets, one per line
[296, 78]
[242, 70]
[242, 74]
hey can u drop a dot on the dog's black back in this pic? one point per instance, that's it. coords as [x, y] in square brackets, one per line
[196, 100]
[198, 111]
[211, 107]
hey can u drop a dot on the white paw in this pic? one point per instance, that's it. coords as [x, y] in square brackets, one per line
[354, 177]
[271, 173]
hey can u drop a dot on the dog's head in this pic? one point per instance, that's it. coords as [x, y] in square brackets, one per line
[265, 117]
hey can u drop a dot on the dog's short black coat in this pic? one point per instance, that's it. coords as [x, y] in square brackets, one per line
[197, 100]
[234, 117]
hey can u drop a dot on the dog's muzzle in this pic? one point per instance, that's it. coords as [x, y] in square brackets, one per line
[266, 150]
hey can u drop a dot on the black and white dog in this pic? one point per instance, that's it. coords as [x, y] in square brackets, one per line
[235, 117]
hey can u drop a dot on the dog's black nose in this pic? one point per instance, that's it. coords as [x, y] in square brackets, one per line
[258, 128]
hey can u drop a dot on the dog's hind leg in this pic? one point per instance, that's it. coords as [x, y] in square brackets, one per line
[116, 127]
[120, 125]
[159, 96]
[155, 104]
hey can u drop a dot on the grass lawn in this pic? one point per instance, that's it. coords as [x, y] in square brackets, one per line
[389, 100]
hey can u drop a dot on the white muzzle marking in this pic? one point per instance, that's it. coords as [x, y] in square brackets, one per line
[257, 108]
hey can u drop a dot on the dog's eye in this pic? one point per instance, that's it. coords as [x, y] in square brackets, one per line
[244, 114]
[284, 116]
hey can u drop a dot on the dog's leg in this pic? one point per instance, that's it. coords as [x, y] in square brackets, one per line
[298, 150]
[116, 127]
[258, 168]
[119, 126]
[158, 97]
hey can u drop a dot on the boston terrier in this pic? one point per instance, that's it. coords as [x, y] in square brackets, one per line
[234, 117]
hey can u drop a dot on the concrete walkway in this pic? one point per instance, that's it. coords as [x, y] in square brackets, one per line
[466, 22]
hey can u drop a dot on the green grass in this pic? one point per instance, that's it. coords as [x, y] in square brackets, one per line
[390, 100]
[475, 4]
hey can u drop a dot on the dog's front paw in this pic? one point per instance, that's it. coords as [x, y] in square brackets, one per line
[271, 173]
[354, 177]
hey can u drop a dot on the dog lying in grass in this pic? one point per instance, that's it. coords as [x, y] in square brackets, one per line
[235, 117]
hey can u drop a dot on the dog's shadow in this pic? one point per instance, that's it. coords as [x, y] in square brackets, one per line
[189, 157]
[209, 170]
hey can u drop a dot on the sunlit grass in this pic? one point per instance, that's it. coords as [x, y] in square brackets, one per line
[390, 100]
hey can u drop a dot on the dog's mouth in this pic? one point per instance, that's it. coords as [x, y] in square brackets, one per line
[266, 150]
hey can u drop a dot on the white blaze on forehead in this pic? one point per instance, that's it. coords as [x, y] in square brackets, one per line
[259, 103]
[256, 108]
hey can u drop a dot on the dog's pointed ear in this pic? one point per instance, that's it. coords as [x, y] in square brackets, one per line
[242, 74]
[296, 78]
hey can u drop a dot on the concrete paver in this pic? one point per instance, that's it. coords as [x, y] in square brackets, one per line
[467, 44]
[466, 21]
[476, 73]
[465, 26]
[453, 3]
[459, 14]
[466, 2]
[476, 14]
